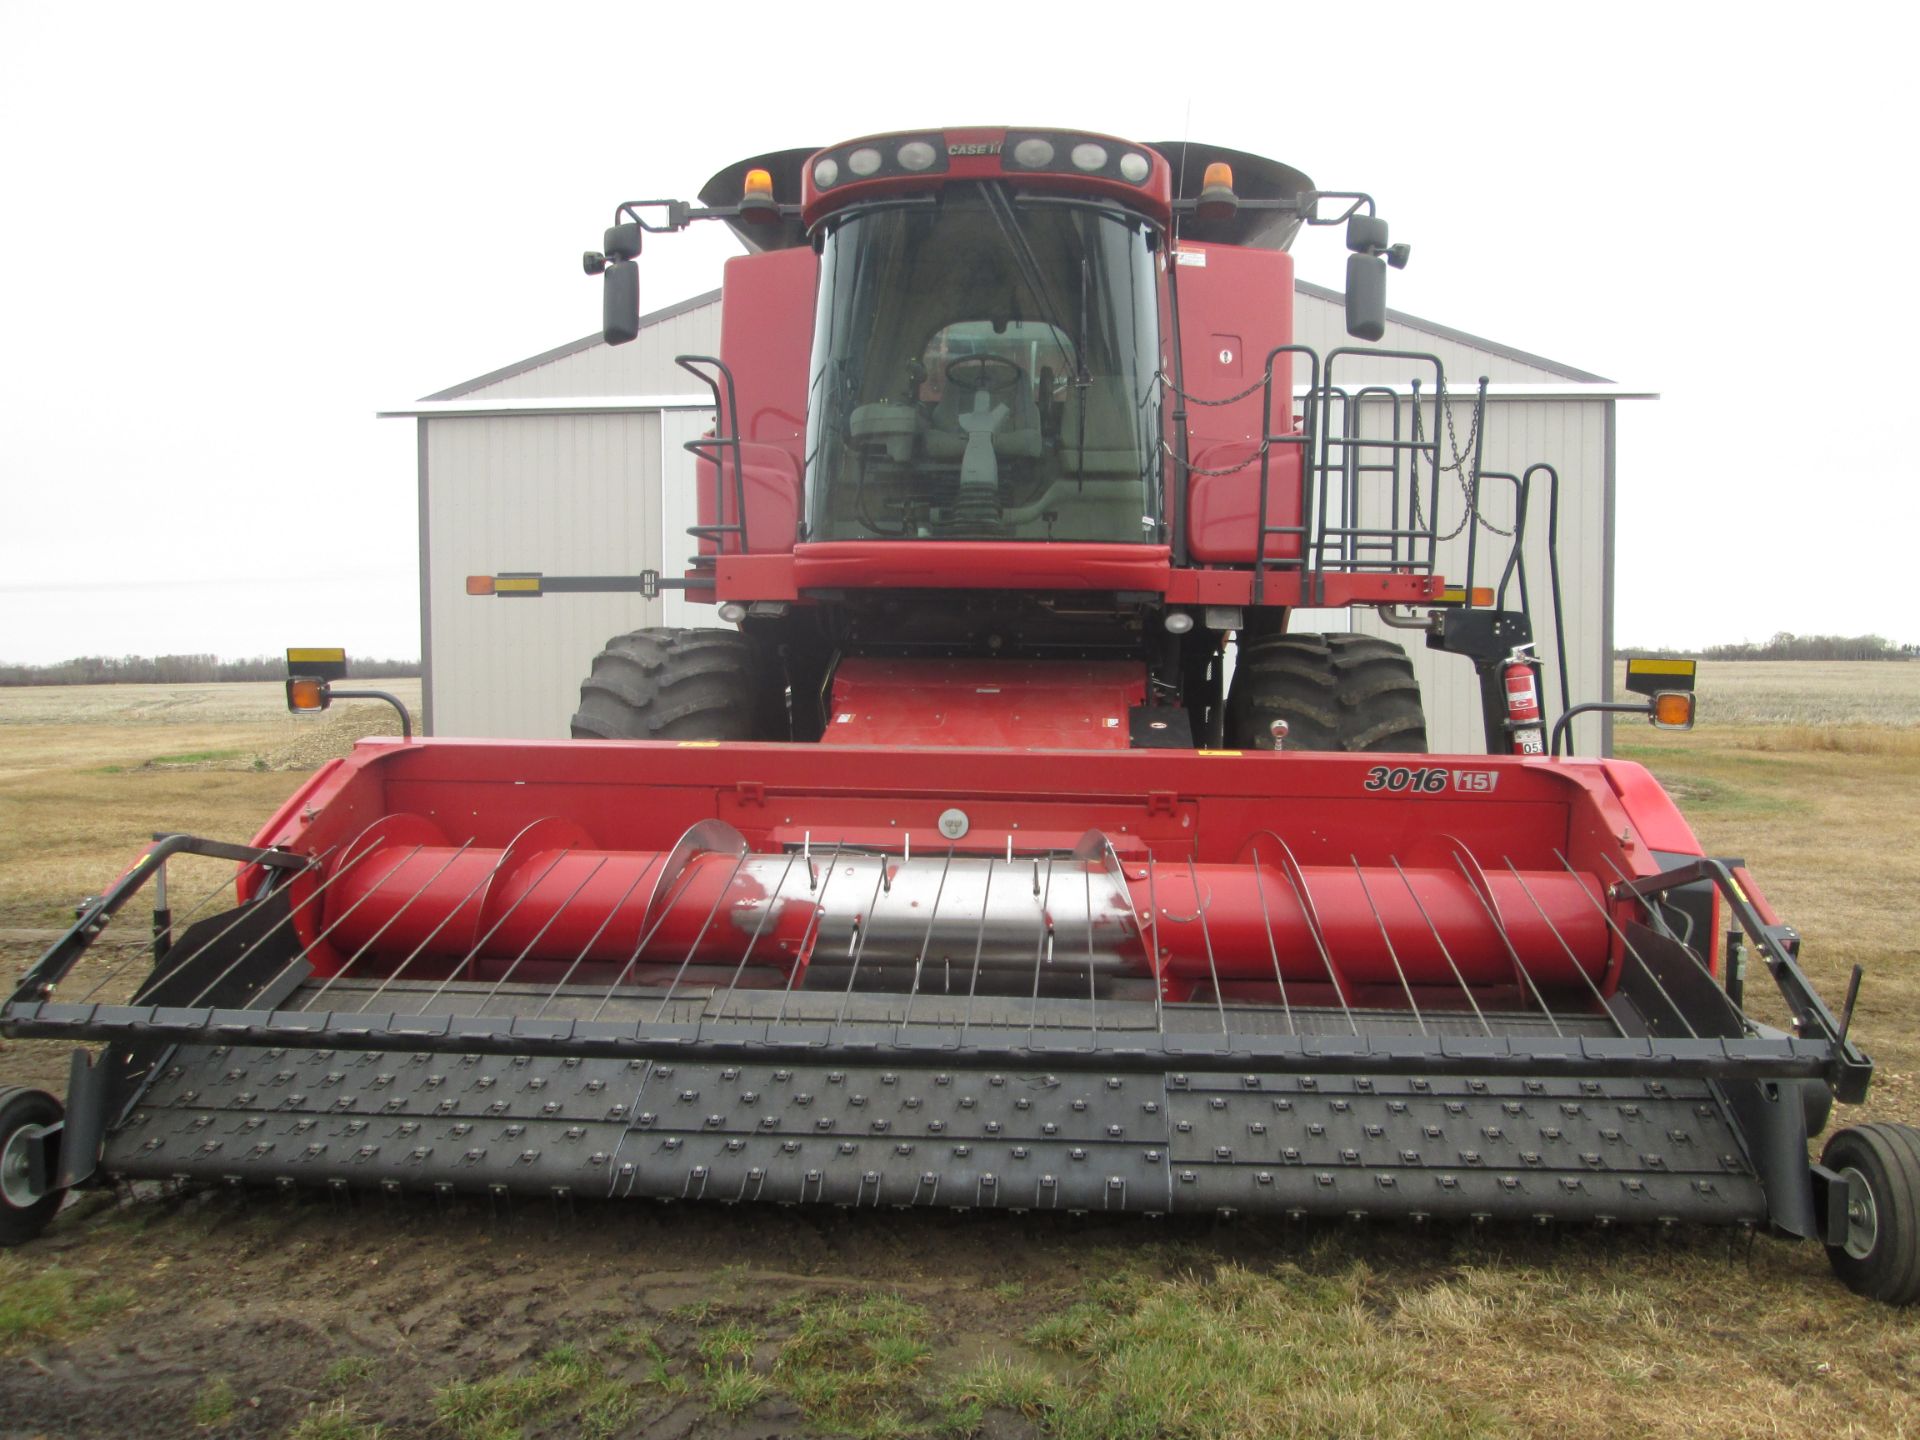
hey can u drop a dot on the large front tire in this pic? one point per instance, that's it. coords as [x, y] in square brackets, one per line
[24, 1209]
[665, 684]
[1335, 692]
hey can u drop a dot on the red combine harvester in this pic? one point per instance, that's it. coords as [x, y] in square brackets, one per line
[1012, 851]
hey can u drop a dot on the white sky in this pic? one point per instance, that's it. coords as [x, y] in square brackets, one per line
[230, 233]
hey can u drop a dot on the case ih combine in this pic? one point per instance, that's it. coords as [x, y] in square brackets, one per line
[961, 872]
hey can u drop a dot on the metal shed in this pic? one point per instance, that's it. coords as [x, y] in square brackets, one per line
[572, 462]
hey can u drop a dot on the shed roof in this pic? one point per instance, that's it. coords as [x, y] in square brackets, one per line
[1318, 292]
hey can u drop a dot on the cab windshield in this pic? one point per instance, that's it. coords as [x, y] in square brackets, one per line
[984, 368]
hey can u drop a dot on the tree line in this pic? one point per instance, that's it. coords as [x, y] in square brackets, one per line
[1788, 646]
[180, 670]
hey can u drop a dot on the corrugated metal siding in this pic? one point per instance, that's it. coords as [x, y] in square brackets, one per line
[566, 494]
[1570, 435]
[644, 367]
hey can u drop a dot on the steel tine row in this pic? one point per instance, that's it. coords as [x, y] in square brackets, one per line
[1093, 996]
[719, 901]
[151, 948]
[474, 954]
[1297, 882]
[1573, 959]
[594, 939]
[802, 957]
[1447, 954]
[857, 942]
[979, 940]
[682, 881]
[1481, 892]
[286, 919]
[1632, 950]
[351, 863]
[1206, 939]
[321, 937]
[1043, 941]
[926, 943]
[540, 934]
[1159, 980]
[746, 956]
[1273, 948]
[1367, 894]
[387, 924]
[478, 885]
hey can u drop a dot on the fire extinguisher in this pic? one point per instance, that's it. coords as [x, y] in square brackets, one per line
[1525, 728]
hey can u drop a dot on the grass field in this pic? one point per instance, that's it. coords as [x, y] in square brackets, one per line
[213, 1314]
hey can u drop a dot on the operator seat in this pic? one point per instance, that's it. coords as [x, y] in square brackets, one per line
[1017, 439]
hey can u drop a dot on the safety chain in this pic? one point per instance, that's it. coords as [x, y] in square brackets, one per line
[1193, 469]
[1468, 488]
[1167, 384]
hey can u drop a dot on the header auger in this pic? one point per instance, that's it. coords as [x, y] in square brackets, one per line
[1007, 848]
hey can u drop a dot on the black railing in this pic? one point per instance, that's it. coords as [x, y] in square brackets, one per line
[718, 449]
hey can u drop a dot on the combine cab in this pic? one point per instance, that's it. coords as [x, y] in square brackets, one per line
[970, 870]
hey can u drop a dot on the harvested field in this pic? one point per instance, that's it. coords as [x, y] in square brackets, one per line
[216, 1314]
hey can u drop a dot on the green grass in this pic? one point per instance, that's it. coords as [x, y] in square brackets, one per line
[733, 1391]
[52, 1304]
[195, 757]
[214, 1404]
[1021, 1386]
[338, 1421]
[607, 1407]
[350, 1371]
[853, 1365]
[1233, 1355]
[501, 1406]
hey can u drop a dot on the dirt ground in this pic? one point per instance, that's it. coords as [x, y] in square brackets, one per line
[206, 1312]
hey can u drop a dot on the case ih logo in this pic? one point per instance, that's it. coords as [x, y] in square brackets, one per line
[991, 148]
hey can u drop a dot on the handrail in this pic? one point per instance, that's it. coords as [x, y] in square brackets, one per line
[725, 439]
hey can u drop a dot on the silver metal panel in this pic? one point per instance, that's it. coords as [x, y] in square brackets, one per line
[559, 494]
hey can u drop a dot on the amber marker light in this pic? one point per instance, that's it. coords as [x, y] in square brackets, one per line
[1673, 710]
[479, 584]
[306, 697]
[756, 197]
[1217, 199]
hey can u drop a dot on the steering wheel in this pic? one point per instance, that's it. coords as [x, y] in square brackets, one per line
[977, 372]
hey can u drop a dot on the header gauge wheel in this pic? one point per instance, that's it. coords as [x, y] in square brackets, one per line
[1880, 1256]
[25, 1208]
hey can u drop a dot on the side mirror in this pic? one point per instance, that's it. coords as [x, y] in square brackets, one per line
[1366, 234]
[1366, 296]
[620, 303]
[622, 242]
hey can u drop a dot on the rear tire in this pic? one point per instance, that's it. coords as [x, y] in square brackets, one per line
[1336, 692]
[664, 684]
[1880, 1257]
[24, 1212]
